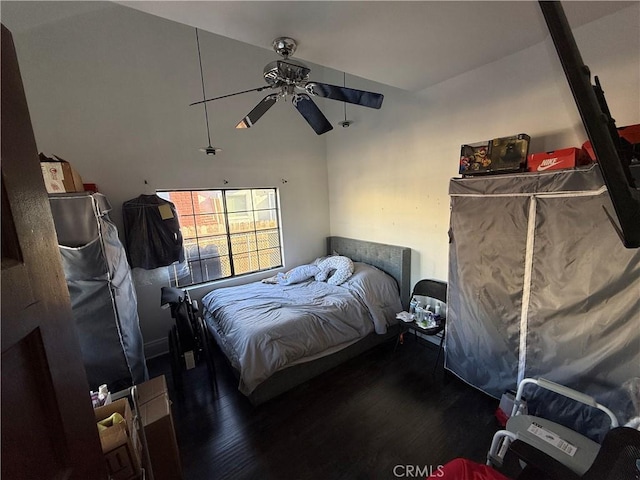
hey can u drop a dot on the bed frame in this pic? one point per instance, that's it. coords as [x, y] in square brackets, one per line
[394, 260]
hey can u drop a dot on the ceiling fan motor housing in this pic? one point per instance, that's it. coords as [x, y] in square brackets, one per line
[289, 72]
[285, 46]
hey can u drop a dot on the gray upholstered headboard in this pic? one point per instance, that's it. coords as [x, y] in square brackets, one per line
[392, 259]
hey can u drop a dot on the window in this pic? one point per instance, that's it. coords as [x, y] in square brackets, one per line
[226, 233]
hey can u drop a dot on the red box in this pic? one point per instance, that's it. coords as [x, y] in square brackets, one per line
[588, 151]
[630, 133]
[556, 159]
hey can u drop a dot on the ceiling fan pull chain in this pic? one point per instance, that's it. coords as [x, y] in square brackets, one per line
[209, 150]
[204, 95]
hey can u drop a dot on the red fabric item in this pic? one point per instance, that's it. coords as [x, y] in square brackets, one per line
[502, 417]
[463, 469]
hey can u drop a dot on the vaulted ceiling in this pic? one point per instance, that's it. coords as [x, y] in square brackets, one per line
[410, 45]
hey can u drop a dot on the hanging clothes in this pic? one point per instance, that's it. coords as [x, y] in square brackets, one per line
[152, 231]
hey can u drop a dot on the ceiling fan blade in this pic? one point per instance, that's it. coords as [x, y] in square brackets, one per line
[344, 94]
[260, 109]
[312, 114]
[259, 89]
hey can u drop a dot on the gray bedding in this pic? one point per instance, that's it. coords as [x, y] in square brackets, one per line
[265, 327]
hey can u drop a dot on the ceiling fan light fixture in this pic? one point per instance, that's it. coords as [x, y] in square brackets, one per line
[209, 150]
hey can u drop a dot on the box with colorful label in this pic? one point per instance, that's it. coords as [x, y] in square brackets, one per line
[500, 155]
[59, 176]
[556, 159]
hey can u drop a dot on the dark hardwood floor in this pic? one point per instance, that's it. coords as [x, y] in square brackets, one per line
[379, 416]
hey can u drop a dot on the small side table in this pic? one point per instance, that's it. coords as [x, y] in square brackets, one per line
[413, 326]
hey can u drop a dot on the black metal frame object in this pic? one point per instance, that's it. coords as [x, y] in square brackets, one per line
[599, 125]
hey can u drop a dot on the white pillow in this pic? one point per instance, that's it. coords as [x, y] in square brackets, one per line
[335, 270]
[298, 274]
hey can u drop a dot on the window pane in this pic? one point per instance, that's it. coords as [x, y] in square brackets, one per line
[270, 258]
[209, 224]
[182, 282]
[268, 239]
[246, 263]
[264, 198]
[245, 242]
[266, 219]
[200, 271]
[182, 201]
[208, 201]
[239, 200]
[225, 265]
[214, 246]
[188, 227]
[178, 272]
[211, 269]
[191, 249]
[183, 274]
[241, 222]
[165, 195]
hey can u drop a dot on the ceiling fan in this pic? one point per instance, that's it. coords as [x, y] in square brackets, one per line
[290, 79]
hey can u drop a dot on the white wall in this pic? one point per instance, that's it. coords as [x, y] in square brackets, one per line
[389, 173]
[109, 91]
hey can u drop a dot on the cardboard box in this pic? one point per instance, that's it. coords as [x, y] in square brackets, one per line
[556, 159]
[120, 443]
[162, 444]
[151, 389]
[59, 176]
[500, 155]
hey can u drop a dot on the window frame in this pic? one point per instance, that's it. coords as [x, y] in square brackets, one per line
[191, 262]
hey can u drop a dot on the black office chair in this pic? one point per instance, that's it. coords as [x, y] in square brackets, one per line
[431, 289]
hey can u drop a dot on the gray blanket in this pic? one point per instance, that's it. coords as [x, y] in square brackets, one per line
[265, 328]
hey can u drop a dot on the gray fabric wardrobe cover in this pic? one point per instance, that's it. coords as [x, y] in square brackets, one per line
[103, 297]
[541, 285]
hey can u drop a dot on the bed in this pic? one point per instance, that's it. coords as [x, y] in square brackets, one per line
[276, 337]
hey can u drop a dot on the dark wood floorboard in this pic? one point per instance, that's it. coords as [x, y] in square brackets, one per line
[379, 411]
